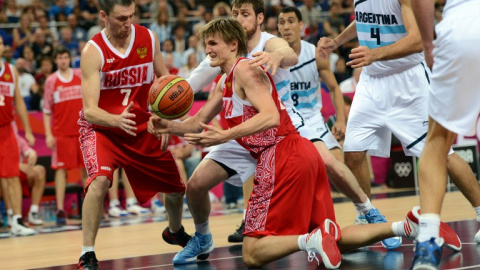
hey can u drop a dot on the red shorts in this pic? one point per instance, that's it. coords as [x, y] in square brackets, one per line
[291, 194]
[9, 154]
[25, 186]
[67, 153]
[148, 169]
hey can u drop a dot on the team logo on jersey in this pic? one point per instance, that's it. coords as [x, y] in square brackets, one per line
[142, 52]
[7, 77]
[229, 84]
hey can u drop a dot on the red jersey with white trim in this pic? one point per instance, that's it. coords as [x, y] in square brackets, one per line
[126, 77]
[7, 91]
[238, 111]
[63, 99]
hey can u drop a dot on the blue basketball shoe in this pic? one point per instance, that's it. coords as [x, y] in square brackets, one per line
[427, 254]
[199, 247]
[374, 216]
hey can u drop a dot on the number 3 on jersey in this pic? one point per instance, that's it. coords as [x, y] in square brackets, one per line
[127, 93]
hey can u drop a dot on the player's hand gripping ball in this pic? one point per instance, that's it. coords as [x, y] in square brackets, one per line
[170, 97]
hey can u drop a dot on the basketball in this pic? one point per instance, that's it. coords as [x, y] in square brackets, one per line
[170, 97]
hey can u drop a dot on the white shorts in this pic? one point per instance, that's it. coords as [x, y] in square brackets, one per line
[389, 104]
[322, 130]
[454, 100]
[237, 158]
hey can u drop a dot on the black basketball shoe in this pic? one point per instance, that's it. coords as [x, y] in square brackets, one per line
[237, 236]
[88, 261]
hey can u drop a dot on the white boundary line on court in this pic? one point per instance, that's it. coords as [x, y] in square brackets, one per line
[163, 265]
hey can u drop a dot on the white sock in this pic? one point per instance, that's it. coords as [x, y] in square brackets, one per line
[244, 213]
[87, 249]
[429, 226]
[202, 228]
[10, 212]
[131, 201]
[398, 228]
[477, 210]
[114, 202]
[15, 219]
[364, 208]
[302, 242]
[34, 208]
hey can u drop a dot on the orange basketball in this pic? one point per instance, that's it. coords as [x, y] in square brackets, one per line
[170, 97]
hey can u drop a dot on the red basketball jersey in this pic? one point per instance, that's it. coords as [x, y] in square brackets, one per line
[7, 91]
[63, 99]
[126, 77]
[238, 111]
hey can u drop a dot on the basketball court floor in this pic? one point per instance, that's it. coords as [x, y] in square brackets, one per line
[135, 243]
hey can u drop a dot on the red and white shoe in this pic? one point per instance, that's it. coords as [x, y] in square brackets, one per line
[411, 227]
[323, 241]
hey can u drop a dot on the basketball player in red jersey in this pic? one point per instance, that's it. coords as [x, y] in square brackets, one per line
[289, 169]
[118, 67]
[63, 102]
[11, 100]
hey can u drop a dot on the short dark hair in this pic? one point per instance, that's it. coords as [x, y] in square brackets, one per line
[292, 9]
[60, 50]
[107, 5]
[229, 30]
[258, 5]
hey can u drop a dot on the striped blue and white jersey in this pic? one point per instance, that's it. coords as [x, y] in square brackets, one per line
[282, 76]
[305, 82]
[379, 23]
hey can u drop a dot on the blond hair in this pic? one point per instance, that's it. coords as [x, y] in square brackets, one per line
[229, 30]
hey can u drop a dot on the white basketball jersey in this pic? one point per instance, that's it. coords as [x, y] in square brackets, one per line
[380, 23]
[305, 82]
[282, 82]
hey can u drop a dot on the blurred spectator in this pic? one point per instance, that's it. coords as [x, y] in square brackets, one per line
[161, 27]
[169, 47]
[12, 11]
[221, 9]
[23, 35]
[191, 64]
[161, 6]
[51, 33]
[334, 24]
[194, 47]
[39, 8]
[95, 29]
[311, 13]
[45, 70]
[169, 63]
[182, 20]
[60, 7]
[30, 62]
[206, 18]
[348, 11]
[271, 26]
[90, 11]
[78, 33]
[349, 85]
[8, 55]
[40, 46]
[277, 5]
[76, 59]
[340, 70]
[144, 8]
[179, 38]
[66, 40]
[26, 82]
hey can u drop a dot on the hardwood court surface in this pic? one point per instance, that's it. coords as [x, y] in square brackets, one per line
[140, 246]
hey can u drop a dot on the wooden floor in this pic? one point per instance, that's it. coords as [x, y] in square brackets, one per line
[134, 240]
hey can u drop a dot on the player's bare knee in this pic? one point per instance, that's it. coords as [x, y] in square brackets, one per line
[197, 185]
[99, 185]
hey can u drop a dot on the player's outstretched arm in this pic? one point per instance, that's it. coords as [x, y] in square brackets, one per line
[90, 65]
[277, 54]
[202, 75]
[327, 45]
[411, 43]
[423, 11]
[21, 110]
[326, 75]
